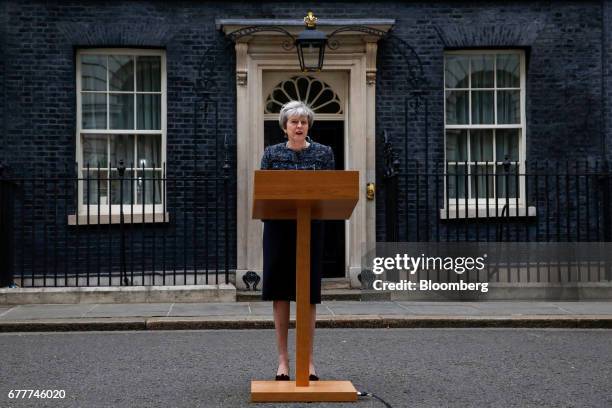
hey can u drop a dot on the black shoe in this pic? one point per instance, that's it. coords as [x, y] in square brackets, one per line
[313, 377]
[282, 377]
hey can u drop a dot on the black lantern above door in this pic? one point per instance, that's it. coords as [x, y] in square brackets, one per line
[310, 45]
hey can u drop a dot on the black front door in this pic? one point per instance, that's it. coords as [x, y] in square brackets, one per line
[330, 133]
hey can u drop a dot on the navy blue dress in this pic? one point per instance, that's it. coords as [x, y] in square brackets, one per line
[279, 238]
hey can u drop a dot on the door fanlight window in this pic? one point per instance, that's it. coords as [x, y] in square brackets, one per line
[315, 93]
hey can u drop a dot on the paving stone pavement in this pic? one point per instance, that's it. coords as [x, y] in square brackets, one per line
[344, 313]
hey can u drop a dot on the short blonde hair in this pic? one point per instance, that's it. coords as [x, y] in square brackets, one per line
[294, 108]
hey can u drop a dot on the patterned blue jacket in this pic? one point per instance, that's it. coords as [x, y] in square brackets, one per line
[314, 157]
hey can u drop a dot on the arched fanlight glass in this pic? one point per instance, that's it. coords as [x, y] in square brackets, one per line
[312, 91]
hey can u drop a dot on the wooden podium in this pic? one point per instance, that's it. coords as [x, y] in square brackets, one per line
[304, 195]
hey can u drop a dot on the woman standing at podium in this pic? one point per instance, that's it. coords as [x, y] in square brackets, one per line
[279, 238]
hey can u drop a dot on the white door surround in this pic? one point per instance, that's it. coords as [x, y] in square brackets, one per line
[263, 52]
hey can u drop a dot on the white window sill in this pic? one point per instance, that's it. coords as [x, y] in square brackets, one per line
[459, 212]
[149, 218]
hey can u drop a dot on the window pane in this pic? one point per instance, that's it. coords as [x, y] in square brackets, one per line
[315, 88]
[121, 72]
[508, 110]
[303, 86]
[482, 107]
[94, 151]
[122, 148]
[122, 190]
[507, 144]
[96, 189]
[145, 186]
[508, 71]
[481, 180]
[457, 107]
[456, 181]
[332, 107]
[456, 71]
[93, 110]
[273, 106]
[149, 111]
[121, 111]
[456, 145]
[506, 181]
[481, 145]
[281, 97]
[482, 71]
[148, 74]
[291, 90]
[149, 150]
[326, 96]
[93, 72]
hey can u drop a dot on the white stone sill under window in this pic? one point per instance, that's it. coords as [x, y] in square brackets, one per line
[149, 218]
[459, 212]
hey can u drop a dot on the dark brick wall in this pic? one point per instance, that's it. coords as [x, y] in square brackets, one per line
[3, 118]
[563, 42]
[606, 73]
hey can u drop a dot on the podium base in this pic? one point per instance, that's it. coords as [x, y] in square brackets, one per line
[317, 391]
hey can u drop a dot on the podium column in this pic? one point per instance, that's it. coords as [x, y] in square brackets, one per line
[303, 337]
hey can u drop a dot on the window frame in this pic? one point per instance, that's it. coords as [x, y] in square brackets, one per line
[453, 204]
[108, 208]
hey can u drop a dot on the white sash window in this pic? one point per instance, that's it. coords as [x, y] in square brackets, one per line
[484, 126]
[121, 118]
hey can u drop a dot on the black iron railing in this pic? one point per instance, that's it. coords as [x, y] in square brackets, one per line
[116, 226]
[499, 202]
[511, 207]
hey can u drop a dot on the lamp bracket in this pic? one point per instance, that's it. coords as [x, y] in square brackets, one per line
[333, 43]
[243, 32]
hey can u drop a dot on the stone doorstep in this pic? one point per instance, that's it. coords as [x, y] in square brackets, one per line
[119, 294]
